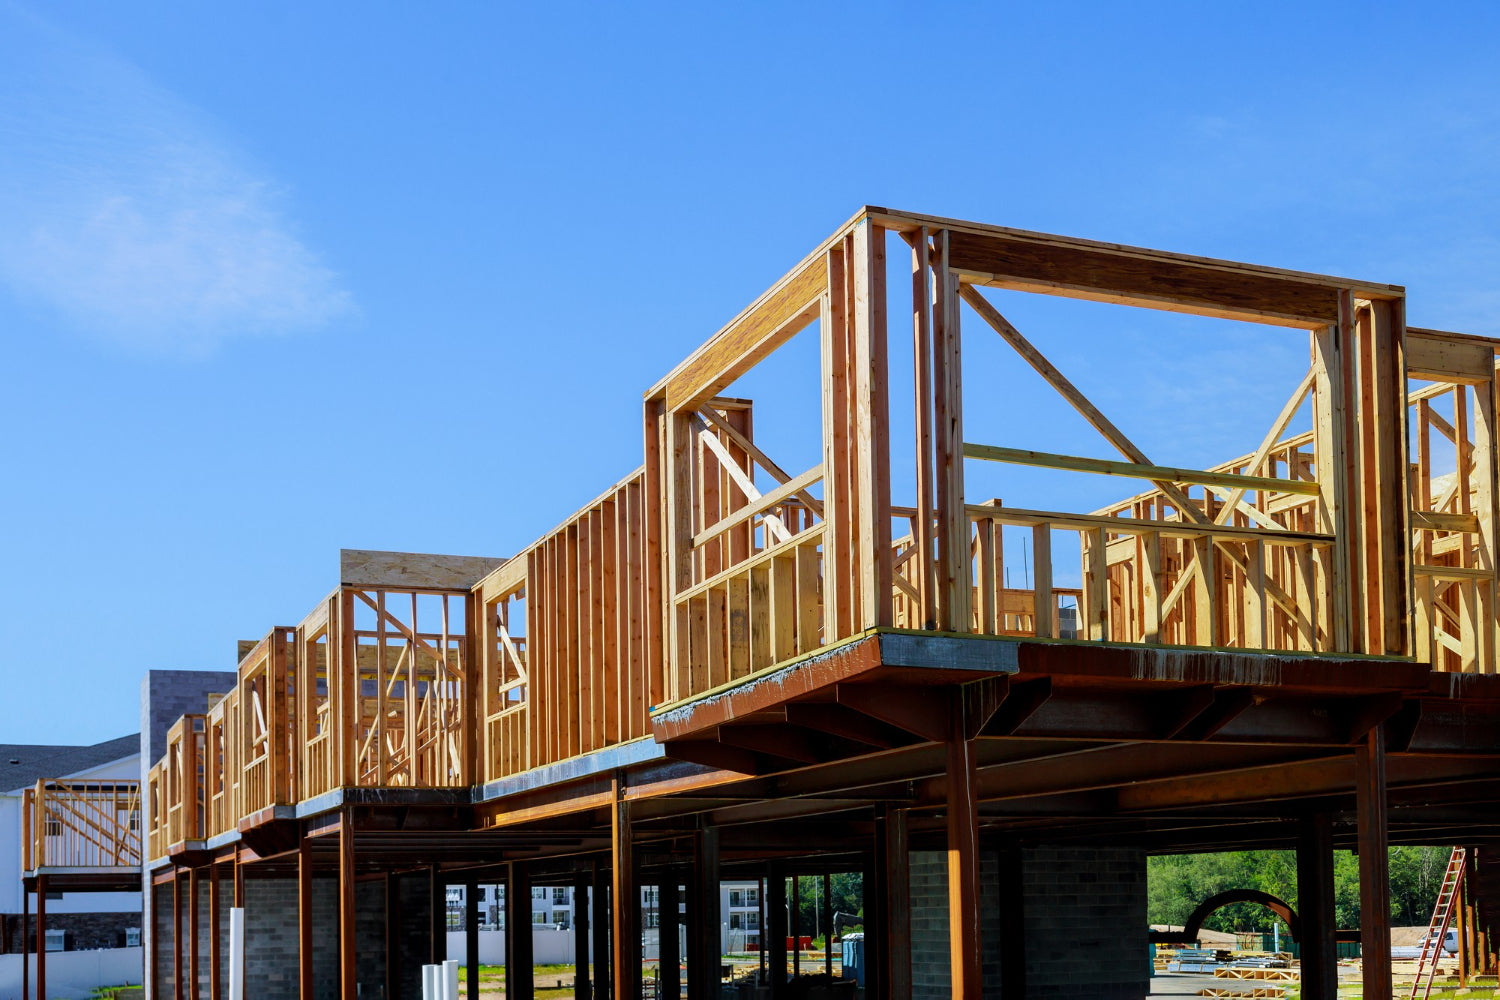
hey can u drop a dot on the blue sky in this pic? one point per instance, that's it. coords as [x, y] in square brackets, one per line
[281, 278]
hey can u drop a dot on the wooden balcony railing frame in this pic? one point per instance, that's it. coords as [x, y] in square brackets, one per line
[81, 824]
[1268, 553]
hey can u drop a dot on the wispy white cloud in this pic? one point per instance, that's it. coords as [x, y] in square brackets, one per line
[125, 210]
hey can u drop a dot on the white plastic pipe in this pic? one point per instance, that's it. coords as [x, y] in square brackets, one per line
[430, 985]
[450, 979]
[237, 953]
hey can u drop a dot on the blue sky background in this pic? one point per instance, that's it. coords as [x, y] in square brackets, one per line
[281, 278]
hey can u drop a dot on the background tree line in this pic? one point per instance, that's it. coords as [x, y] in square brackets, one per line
[1176, 884]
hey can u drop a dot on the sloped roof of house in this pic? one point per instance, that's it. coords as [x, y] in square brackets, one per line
[21, 764]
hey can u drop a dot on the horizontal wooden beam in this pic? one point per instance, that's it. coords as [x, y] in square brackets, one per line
[1021, 516]
[763, 503]
[1135, 470]
[769, 322]
[1131, 277]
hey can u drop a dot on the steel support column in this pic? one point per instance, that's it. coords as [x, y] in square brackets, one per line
[669, 965]
[703, 966]
[348, 989]
[1374, 865]
[520, 981]
[1320, 975]
[583, 981]
[471, 935]
[963, 863]
[624, 935]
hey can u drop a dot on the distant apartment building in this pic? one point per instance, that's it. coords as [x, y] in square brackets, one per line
[552, 906]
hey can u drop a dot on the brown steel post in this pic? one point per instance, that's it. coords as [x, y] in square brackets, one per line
[437, 916]
[520, 977]
[963, 862]
[893, 886]
[239, 881]
[760, 953]
[26, 942]
[348, 989]
[193, 933]
[1320, 972]
[41, 937]
[777, 928]
[393, 935]
[471, 935]
[215, 955]
[794, 921]
[706, 955]
[599, 900]
[583, 980]
[669, 958]
[625, 936]
[1461, 924]
[176, 937]
[828, 926]
[1374, 865]
[304, 920]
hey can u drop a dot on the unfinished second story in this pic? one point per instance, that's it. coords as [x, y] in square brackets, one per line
[827, 465]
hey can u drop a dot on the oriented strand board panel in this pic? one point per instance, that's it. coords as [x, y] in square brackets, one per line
[412, 570]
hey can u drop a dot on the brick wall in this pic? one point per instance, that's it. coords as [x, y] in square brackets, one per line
[1085, 924]
[86, 931]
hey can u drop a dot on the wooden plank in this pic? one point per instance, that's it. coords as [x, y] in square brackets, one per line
[954, 576]
[769, 322]
[1045, 622]
[1096, 586]
[872, 406]
[766, 502]
[1439, 358]
[375, 570]
[925, 569]
[1180, 284]
[1108, 467]
[1140, 526]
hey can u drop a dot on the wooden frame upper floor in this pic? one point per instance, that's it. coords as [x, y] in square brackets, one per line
[714, 564]
[80, 826]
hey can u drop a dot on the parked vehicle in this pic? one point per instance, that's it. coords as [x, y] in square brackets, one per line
[1413, 952]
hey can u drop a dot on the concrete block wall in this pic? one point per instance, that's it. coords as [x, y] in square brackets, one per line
[930, 979]
[1085, 924]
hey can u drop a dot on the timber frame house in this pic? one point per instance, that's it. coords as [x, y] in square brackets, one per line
[725, 664]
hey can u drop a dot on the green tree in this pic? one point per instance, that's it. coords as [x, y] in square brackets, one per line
[1176, 884]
